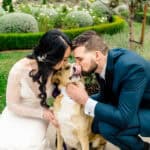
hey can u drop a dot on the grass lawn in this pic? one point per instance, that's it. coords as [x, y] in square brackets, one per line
[7, 59]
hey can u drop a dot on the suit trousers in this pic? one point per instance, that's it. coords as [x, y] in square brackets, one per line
[125, 139]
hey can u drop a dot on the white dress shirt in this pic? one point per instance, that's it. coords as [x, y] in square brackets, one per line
[91, 104]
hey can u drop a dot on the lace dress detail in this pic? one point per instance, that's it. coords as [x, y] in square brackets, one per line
[21, 124]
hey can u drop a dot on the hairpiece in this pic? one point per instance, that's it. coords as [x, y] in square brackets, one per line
[42, 58]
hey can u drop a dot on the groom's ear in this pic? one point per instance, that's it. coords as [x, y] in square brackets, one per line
[98, 55]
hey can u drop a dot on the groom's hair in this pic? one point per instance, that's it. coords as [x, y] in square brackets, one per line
[91, 40]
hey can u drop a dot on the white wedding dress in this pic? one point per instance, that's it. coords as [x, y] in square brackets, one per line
[21, 124]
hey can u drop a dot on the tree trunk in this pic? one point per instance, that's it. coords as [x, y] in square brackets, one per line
[131, 29]
[143, 24]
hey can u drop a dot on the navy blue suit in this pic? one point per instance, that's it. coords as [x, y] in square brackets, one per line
[123, 109]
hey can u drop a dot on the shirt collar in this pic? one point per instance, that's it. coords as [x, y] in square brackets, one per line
[102, 74]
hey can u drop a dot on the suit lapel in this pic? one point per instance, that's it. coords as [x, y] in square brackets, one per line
[107, 86]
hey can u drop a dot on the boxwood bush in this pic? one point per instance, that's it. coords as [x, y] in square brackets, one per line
[78, 19]
[99, 9]
[2, 11]
[18, 23]
[29, 40]
[108, 28]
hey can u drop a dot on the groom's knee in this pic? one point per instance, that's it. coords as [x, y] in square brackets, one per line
[107, 130]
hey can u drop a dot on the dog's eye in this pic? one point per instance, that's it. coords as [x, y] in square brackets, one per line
[67, 68]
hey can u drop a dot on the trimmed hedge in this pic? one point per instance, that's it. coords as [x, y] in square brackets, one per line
[10, 41]
[139, 17]
[29, 40]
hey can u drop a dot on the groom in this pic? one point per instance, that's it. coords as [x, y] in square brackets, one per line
[121, 111]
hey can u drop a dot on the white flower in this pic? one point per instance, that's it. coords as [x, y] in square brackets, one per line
[41, 58]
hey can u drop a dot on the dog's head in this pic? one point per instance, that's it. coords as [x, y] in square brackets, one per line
[69, 73]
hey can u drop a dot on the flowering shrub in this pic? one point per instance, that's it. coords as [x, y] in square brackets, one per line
[78, 19]
[64, 16]
[2, 11]
[18, 22]
[99, 9]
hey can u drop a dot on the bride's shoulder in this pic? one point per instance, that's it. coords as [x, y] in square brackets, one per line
[20, 67]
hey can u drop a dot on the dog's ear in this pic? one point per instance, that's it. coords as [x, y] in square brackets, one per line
[55, 80]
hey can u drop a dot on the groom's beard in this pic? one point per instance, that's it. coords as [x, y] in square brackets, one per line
[91, 70]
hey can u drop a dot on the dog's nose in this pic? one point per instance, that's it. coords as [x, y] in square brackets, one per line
[74, 68]
[77, 69]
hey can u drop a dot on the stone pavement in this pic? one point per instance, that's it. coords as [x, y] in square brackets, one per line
[110, 146]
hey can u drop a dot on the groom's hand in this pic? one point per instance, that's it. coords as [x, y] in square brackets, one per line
[77, 93]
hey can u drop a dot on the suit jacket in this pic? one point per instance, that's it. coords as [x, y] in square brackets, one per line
[125, 98]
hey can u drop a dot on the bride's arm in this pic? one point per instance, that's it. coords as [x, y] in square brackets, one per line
[14, 99]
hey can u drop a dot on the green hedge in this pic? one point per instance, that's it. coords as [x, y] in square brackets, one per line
[139, 17]
[29, 40]
[10, 41]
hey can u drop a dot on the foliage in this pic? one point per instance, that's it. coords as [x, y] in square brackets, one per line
[7, 5]
[139, 17]
[85, 4]
[99, 9]
[109, 28]
[46, 19]
[45, 16]
[18, 23]
[19, 40]
[44, 1]
[78, 19]
[62, 11]
[114, 3]
[2, 11]
[29, 40]
[137, 5]
[26, 8]
[59, 16]
[122, 10]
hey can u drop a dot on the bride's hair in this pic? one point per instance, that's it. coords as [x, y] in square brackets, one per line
[49, 52]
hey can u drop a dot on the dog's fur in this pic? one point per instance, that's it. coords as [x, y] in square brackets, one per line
[75, 126]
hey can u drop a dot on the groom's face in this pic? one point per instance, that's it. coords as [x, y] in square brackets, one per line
[86, 59]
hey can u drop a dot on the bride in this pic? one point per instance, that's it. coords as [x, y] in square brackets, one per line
[25, 119]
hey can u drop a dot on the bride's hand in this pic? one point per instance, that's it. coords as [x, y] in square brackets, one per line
[49, 116]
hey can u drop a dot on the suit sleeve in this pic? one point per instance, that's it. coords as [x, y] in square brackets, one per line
[131, 92]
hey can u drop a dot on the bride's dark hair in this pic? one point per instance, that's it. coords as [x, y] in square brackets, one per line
[49, 52]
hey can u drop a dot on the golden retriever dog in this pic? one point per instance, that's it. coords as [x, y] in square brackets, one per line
[75, 125]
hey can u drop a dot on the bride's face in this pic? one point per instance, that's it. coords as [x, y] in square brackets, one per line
[64, 60]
